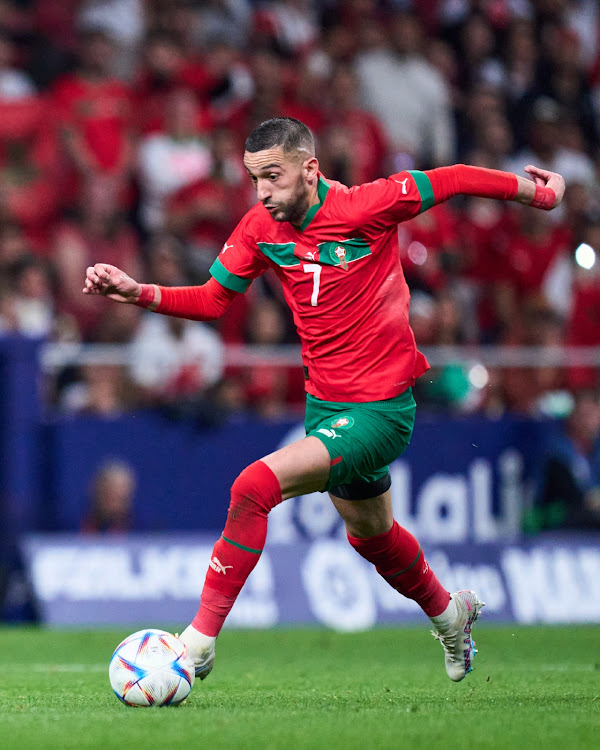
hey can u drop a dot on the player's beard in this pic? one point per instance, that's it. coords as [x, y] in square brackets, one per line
[294, 210]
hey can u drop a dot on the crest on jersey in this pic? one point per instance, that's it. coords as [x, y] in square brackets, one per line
[342, 422]
[339, 252]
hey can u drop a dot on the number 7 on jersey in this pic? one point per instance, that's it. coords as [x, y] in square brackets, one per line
[315, 269]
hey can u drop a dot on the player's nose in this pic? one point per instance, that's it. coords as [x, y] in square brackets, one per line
[263, 191]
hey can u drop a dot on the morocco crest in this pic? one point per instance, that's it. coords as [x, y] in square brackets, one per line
[343, 422]
[340, 254]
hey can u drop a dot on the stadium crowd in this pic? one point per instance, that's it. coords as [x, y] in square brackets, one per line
[122, 125]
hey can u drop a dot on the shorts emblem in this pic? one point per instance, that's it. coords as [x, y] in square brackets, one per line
[343, 422]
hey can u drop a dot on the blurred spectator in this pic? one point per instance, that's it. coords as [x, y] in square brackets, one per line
[583, 18]
[525, 389]
[569, 486]
[175, 17]
[544, 149]
[564, 80]
[165, 260]
[227, 83]
[536, 245]
[290, 25]
[354, 145]
[29, 162]
[14, 83]
[223, 19]
[98, 234]
[429, 249]
[584, 314]
[476, 58]
[14, 247]
[417, 117]
[175, 362]
[269, 79]
[9, 323]
[270, 390]
[94, 111]
[306, 98]
[102, 390]
[521, 62]
[112, 495]
[482, 108]
[204, 213]
[447, 386]
[119, 327]
[172, 159]
[164, 68]
[486, 231]
[34, 302]
[422, 314]
[123, 21]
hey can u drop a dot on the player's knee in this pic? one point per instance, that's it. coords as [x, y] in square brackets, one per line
[255, 489]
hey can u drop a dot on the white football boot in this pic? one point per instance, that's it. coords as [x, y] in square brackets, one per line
[455, 636]
[201, 649]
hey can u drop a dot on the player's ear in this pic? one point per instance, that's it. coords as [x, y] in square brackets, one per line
[311, 167]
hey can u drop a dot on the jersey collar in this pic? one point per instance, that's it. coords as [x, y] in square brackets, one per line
[322, 190]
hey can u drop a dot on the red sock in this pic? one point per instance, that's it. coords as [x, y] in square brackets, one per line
[253, 494]
[398, 557]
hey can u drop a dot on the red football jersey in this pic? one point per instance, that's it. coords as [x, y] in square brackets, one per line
[343, 280]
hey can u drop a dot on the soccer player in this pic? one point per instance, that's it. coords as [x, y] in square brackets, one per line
[335, 250]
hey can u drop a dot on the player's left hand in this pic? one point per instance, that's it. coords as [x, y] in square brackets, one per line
[545, 178]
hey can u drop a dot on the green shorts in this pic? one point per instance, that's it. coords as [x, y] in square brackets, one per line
[362, 439]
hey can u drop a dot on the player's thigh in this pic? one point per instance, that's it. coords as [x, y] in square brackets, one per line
[300, 467]
[366, 518]
[362, 439]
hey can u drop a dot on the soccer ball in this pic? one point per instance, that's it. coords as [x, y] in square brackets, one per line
[151, 668]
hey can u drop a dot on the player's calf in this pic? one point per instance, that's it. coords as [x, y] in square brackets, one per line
[253, 494]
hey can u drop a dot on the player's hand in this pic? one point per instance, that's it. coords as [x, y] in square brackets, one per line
[111, 282]
[549, 179]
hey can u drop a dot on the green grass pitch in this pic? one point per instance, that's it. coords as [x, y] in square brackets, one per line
[531, 688]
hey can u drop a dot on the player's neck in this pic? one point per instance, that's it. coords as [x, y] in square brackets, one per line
[313, 200]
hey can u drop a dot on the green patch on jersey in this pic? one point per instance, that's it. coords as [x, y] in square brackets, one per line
[343, 252]
[227, 279]
[424, 187]
[281, 253]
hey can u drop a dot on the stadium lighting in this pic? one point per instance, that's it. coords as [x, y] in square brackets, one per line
[585, 256]
[479, 377]
[417, 252]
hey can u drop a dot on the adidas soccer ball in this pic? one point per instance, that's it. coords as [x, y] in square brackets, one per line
[151, 668]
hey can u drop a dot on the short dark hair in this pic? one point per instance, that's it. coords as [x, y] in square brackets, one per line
[287, 132]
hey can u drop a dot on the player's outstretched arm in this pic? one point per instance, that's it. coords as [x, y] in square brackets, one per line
[544, 190]
[206, 302]
[111, 282]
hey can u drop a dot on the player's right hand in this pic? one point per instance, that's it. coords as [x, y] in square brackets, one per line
[548, 179]
[111, 282]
